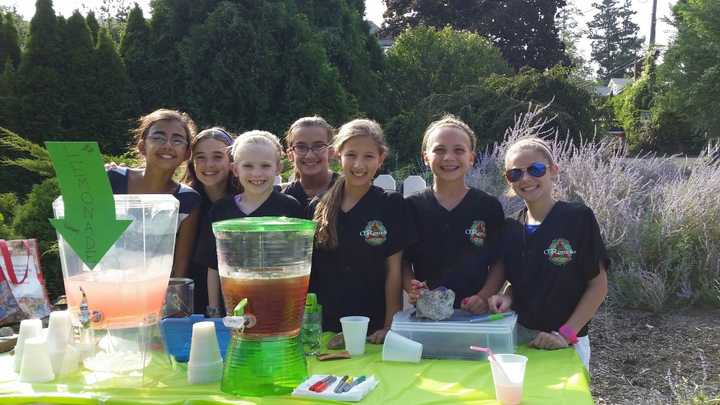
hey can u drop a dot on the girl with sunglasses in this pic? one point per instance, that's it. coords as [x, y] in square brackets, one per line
[555, 257]
[162, 139]
[209, 173]
[458, 227]
[308, 143]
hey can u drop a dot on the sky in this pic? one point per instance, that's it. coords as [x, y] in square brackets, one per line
[375, 9]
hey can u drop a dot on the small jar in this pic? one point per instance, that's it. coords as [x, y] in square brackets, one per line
[312, 325]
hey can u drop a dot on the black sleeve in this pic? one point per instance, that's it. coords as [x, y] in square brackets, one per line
[118, 181]
[496, 222]
[400, 225]
[295, 210]
[593, 247]
[205, 250]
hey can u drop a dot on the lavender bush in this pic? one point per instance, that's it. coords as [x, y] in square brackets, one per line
[660, 220]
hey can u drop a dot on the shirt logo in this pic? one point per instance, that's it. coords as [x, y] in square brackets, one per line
[374, 233]
[560, 252]
[476, 233]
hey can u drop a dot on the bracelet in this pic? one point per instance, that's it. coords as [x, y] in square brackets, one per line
[569, 334]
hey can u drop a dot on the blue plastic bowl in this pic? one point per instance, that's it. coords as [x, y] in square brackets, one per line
[177, 334]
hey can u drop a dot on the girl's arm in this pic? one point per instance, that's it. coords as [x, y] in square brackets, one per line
[393, 288]
[184, 244]
[590, 301]
[213, 285]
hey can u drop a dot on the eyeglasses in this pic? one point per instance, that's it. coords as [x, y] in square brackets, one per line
[302, 149]
[157, 139]
[536, 169]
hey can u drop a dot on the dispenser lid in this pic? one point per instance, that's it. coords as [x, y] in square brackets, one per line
[264, 224]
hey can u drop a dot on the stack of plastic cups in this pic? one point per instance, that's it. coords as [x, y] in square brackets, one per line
[63, 355]
[29, 328]
[36, 366]
[205, 365]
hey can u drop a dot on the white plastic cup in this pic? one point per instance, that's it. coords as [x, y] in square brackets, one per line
[29, 328]
[354, 333]
[399, 348]
[509, 380]
[36, 365]
[205, 365]
[59, 337]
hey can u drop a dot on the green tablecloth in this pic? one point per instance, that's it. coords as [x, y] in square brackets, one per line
[552, 377]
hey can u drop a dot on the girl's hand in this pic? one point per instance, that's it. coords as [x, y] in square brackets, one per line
[499, 303]
[474, 304]
[548, 341]
[378, 337]
[416, 290]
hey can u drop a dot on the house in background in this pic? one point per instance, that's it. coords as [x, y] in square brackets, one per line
[385, 41]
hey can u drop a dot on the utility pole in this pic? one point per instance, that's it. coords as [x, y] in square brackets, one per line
[653, 24]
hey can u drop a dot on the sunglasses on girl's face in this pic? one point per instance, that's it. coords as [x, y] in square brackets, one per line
[536, 169]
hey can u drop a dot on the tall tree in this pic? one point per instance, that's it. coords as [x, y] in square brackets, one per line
[350, 47]
[524, 30]
[135, 53]
[258, 65]
[39, 88]
[692, 64]
[614, 35]
[112, 97]
[9, 46]
[93, 25]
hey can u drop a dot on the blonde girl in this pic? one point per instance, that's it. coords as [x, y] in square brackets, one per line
[458, 227]
[555, 257]
[256, 162]
[362, 231]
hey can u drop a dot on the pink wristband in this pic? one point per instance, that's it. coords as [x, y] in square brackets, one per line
[569, 334]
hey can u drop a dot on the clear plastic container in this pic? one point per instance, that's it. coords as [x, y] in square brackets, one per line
[264, 262]
[116, 306]
[451, 339]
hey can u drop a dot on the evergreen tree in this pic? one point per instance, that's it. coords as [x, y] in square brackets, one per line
[351, 49]
[78, 79]
[524, 30]
[258, 65]
[135, 53]
[615, 42]
[9, 46]
[39, 89]
[111, 95]
[93, 25]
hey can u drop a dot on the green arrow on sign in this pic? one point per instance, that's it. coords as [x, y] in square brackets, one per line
[89, 226]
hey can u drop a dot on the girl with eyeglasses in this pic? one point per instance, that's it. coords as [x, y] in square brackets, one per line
[162, 138]
[555, 257]
[209, 172]
[308, 143]
[362, 231]
[255, 162]
[458, 227]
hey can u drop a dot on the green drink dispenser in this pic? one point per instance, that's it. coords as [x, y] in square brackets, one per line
[264, 265]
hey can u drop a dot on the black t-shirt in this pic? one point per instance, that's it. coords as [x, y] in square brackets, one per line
[198, 272]
[550, 269]
[350, 279]
[455, 248]
[277, 204]
[296, 190]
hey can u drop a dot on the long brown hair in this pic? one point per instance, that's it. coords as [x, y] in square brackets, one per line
[146, 121]
[327, 209]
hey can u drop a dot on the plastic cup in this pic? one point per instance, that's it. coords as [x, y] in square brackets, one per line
[29, 328]
[59, 339]
[205, 365]
[399, 348]
[179, 298]
[36, 365]
[509, 380]
[354, 333]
